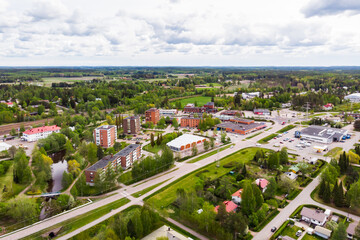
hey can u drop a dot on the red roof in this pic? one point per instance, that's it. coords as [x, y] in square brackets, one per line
[230, 206]
[328, 105]
[42, 129]
[9, 103]
[237, 193]
[262, 182]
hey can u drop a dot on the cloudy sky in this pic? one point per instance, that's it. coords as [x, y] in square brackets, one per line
[179, 32]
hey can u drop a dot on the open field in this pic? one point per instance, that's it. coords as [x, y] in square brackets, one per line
[200, 100]
[79, 221]
[151, 149]
[165, 196]
[7, 180]
[142, 192]
[335, 152]
[48, 81]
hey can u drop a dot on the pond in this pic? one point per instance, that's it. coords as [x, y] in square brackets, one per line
[57, 169]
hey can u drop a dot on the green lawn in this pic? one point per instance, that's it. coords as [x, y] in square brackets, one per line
[151, 149]
[74, 223]
[266, 139]
[142, 192]
[311, 237]
[285, 129]
[200, 100]
[210, 154]
[7, 180]
[334, 152]
[290, 231]
[165, 196]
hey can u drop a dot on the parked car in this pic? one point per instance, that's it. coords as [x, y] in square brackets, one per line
[298, 233]
[258, 144]
[273, 229]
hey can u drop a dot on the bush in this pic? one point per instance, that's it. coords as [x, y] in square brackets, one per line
[202, 171]
[294, 194]
[305, 182]
[229, 165]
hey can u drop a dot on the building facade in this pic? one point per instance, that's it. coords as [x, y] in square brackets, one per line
[190, 122]
[240, 126]
[131, 125]
[152, 115]
[168, 112]
[35, 134]
[124, 158]
[322, 134]
[261, 112]
[105, 136]
[185, 141]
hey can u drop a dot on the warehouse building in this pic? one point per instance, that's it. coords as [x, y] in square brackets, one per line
[185, 141]
[240, 126]
[261, 111]
[322, 134]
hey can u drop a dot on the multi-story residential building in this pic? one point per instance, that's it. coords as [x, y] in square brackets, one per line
[35, 134]
[105, 135]
[131, 125]
[152, 115]
[209, 108]
[191, 122]
[125, 158]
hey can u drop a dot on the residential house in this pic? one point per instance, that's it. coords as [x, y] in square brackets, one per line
[351, 230]
[328, 107]
[322, 232]
[262, 183]
[230, 206]
[291, 175]
[236, 196]
[314, 216]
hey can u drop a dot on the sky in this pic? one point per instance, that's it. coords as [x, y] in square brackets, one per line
[179, 33]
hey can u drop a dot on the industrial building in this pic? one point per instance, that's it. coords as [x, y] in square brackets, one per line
[322, 134]
[240, 126]
[105, 135]
[354, 97]
[185, 141]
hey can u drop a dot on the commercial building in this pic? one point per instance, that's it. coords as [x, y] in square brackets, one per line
[35, 134]
[240, 126]
[314, 216]
[231, 112]
[131, 125]
[190, 122]
[125, 158]
[152, 115]
[105, 135]
[261, 111]
[328, 107]
[185, 141]
[355, 97]
[208, 107]
[323, 134]
[168, 112]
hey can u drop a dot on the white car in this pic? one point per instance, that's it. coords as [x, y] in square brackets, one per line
[258, 144]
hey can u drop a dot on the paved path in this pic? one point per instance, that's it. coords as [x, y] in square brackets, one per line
[189, 230]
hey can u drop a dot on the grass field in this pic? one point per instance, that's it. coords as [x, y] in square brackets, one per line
[142, 192]
[165, 196]
[334, 152]
[200, 100]
[151, 149]
[287, 128]
[7, 180]
[50, 80]
[266, 139]
[311, 237]
[210, 154]
[79, 221]
[290, 231]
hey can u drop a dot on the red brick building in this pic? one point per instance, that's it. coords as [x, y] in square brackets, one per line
[190, 122]
[105, 136]
[125, 158]
[240, 126]
[152, 115]
[131, 125]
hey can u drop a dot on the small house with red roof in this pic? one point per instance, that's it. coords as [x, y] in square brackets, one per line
[35, 134]
[236, 197]
[230, 206]
[262, 183]
[328, 107]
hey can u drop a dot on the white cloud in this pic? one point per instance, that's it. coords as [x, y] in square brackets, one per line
[331, 7]
[168, 32]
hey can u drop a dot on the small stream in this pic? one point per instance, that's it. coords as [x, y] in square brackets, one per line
[57, 169]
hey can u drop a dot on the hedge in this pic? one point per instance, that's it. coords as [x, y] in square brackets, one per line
[294, 194]
[305, 182]
[279, 231]
[266, 220]
[317, 171]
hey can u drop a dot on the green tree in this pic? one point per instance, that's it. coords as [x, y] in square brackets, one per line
[357, 230]
[21, 170]
[248, 201]
[23, 209]
[138, 227]
[92, 153]
[100, 152]
[152, 141]
[69, 148]
[67, 179]
[271, 189]
[273, 161]
[283, 156]
[322, 188]
[212, 143]
[340, 232]
[175, 123]
[223, 137]
[258, 196]
[353, 194]
[206, 145]
[12, 151]
[41, 109]
[222, 214]
[327, 194]
[194, 150]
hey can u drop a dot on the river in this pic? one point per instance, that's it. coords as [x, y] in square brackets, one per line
[57, 169]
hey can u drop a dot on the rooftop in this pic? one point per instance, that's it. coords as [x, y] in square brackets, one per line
[230, 206]
[133, 117]
[351, 228]
[152, 110]
[323, 231]
[261, 110]
[184, 140]
[262, 182]
[324, 132]
[42, 129]
[313, 214]
[240, 126]
[105, 127]
[237, 193]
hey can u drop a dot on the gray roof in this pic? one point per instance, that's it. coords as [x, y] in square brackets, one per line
[132, 117]
[313, 214]
[107, 159]
[324, 132]
[105, 127]
[239, 126]
[261, 110]
[351, 228]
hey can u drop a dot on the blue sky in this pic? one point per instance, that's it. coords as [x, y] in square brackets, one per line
[179, 32]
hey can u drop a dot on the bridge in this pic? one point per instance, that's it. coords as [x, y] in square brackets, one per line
[51, 194]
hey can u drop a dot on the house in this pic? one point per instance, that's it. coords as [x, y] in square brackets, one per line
[236, 196]
[322, 232]
[291, 175]
[250, 95]
[351, 230]
[262, 183]
[285, 105]
[10, 104]
[294, 168]
[35, 134]
[316, 217]
[312, 160]
[230, 206]
[328, 107]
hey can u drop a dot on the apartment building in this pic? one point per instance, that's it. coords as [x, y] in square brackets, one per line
[152, 115]
[131, 125]
[105, 136]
